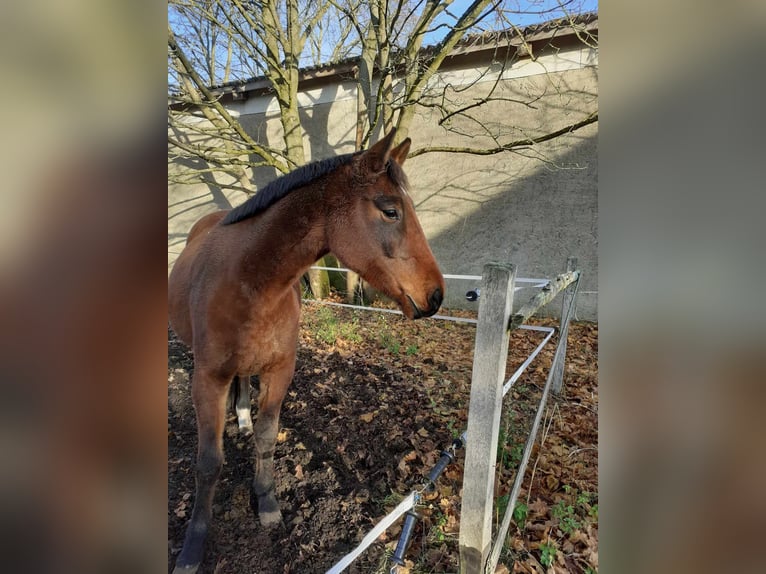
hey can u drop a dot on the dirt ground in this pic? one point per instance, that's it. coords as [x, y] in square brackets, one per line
[374, 400]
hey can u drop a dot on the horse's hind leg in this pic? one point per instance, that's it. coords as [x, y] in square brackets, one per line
[240, 401]
[273, 386]
[209, 394]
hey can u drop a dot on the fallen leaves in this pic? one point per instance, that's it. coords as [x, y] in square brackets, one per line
[180, 509]
[363, 425]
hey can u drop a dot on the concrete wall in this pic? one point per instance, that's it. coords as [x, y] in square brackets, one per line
[533, 207]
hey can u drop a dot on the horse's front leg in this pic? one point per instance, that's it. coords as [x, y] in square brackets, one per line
[273, 386]
[209, 394]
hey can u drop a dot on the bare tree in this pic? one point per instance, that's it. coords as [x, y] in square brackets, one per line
[216, 46]
[392, 36]
[214, 41]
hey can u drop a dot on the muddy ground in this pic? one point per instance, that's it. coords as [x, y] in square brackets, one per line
[374, 400]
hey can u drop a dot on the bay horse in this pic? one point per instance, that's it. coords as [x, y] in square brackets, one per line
[234, 297]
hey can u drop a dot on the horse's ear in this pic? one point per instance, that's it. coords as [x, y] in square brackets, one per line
[399, 153]
[377, 156]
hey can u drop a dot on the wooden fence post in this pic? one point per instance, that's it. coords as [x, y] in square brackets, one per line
[486, 401]
[566, 297]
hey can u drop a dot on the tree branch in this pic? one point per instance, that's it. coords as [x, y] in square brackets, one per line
[223, 118]
[510, 145]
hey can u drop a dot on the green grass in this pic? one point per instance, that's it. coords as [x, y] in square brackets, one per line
[388, 342]
[328, 328]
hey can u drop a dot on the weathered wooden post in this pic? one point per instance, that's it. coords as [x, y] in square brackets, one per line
[566, 297]
[486, 401]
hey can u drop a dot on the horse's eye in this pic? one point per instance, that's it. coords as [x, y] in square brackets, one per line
[391, 214]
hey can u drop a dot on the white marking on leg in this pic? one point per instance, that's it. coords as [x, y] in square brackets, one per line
[244, 419]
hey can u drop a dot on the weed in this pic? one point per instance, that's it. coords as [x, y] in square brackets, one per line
[501, 438]
[520, 514]
[587, 503]
[517, 453]
[547, 554]
[501, 506]
[568, 519]
[388, 342]
[412, 350]
[437, 531]
[509, 456]
[391, 499]
[454, 432]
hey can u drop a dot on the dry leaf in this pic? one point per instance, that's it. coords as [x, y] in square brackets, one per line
[539, 507]
[367, 417]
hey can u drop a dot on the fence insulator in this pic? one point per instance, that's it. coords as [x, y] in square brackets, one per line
[473, 295]
[410, 519]
[445, 459]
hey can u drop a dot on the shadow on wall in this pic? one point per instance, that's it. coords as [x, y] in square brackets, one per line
[217, 197]
[535, 223]
[326, 140]
[323, 138]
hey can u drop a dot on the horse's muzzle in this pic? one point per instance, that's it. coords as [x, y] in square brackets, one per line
[434, 302]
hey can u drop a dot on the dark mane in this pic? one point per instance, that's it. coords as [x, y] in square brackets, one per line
[281, 186]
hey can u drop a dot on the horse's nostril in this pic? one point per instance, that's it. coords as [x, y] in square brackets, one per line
[435, 300]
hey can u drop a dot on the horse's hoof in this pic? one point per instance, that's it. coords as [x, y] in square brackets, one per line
[270, 520]
[191, 569]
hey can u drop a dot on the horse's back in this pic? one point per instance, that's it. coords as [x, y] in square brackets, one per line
[180, 281]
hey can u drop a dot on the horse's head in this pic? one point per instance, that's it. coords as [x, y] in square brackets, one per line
[375, 231]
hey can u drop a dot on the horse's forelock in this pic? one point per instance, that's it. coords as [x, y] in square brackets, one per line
[397, 176]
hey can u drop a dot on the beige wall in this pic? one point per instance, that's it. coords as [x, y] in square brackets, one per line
[533, 207]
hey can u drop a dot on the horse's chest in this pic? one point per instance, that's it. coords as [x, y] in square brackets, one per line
[267, 341]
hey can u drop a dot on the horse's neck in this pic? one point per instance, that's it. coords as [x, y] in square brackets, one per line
[284, 241]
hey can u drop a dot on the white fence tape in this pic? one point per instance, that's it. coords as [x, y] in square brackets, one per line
[372, 536]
